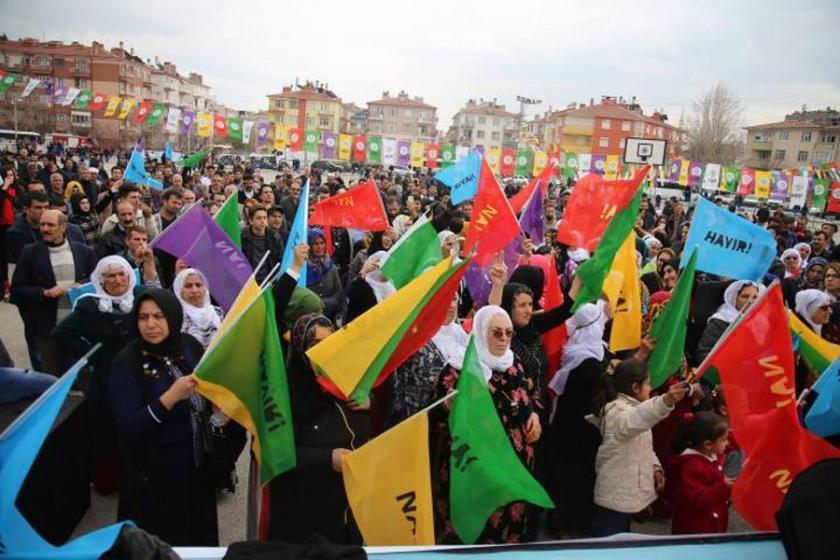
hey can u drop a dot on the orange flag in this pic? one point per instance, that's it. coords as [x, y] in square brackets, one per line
[492, 222]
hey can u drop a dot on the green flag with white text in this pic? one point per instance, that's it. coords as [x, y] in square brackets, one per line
[83, 99]
[374, 149]
[234, 128]
[447, 155]
[310, 141]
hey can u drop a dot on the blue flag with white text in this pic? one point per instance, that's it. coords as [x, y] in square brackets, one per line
[135, 169]
[19, 446]
[299, 233]
[728, 245]
[462, 178]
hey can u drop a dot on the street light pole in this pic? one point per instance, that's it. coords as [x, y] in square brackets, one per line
[14, 114]
[523, 101]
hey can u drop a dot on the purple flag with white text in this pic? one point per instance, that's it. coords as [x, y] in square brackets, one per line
[263, 130]
[403, 149]
[328, 145]
[197, 240]
[59, 93]
[675, 170]
[187, 120]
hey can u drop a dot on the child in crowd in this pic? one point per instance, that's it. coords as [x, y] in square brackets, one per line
[628, 473]
[700, 489]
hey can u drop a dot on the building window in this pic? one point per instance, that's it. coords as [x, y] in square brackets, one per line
[660, 133]
[821, 157]
[309, 121]
[61, 117]
[293, 104]
[479, 134]
[606, 124]
[803, 155]
[325, 108]
[763, 154]
[392, 112]
[82, 83]
[278, 119]
[279, 104]
[581, 141]
[625, 126]
[780, 155]
[783, 135]
[494, 135]
[409, 113]
[806, 137]
[43, 62]
[603, 141]
[408, 128]
[828, 138]
[496, 121]
[621, 143]
[392, 127]
[80, 119]
[482, 120]
[80, 64]
[325, 122]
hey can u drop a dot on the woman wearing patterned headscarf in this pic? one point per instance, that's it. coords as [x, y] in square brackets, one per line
[322, 275]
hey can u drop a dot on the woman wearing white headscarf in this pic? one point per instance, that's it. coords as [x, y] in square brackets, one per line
[201, 318]
[448, 242]
[736, 299]
[804, 252]
[586, 341]
[516, 401]
[368, 288]
[792, 260]
[813, 307]
[101, 317]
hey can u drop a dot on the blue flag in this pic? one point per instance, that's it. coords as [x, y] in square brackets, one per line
[823, 417]
[462, 178]
[728, 245]
[135, 169]
[297, 235]
[167, 151]
[19, 445]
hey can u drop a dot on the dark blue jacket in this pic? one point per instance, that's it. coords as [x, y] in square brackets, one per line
[21, 234]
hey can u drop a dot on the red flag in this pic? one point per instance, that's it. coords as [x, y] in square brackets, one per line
[358, 208]
[508, 162]
[517, 201]
[359, 148]
[98, 101]
[432, 154]
[142, 112]
[295, 139]
[756, 368]
[492, 222]
[834, 198]
[555, 339]
[594, 202]
[747, 184]
[555, 158]
[219, 126]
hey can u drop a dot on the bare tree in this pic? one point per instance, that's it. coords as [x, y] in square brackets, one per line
[714, 125]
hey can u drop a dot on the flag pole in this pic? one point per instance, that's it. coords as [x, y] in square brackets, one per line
[270, 277]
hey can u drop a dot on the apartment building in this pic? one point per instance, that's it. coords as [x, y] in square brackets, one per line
[485, 124]
[402, 117]
[309, 106]
[794, 142]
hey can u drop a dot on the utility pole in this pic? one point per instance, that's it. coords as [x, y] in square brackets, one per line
[520, 118]
[14, 114]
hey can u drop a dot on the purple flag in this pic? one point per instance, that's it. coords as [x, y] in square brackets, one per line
[196, 239]
[695, 172]
[478, 277]
[328, 145]
[187, 120]
[59, 93]
[675, 170]
[48, 88]
[532, 220]
[781, 185]
[263, 128]
[480, 150]
[403, 147]
[599, 164]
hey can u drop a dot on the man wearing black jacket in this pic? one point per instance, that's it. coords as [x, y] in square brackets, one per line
[258, 240]
[25, 229]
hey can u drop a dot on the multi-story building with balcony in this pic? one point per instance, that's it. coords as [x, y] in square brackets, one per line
[485, 124]
[794, 142]
[310, 106]
[402, 117]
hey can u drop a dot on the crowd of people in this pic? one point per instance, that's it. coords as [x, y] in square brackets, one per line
[606, 447]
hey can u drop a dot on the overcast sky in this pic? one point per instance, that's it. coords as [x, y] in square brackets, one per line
[777, 55]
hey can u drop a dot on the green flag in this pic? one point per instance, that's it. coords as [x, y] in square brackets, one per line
[310, 141]
[570, 166]
[484, 471]
[593, 272]
[820, 197]
[243, 374]
[374, 149]
[228, 219]
[524, 162]
[234, 129]
[729, 178]
[669, 328]
[417, 250]
[83, 100]
[157, 114]
[7, 81]
[194, 160]
[447, 155]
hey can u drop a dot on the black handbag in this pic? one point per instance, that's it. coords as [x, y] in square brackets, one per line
[221, 446]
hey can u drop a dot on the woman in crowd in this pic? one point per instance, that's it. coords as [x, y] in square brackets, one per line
[804, 252]
[368, 288]
[310, 499]
[737, 297]
[811, 279]
[164, 485]
[85, 217]
[654, 247]
[516, 399]
[379, 241]
[814, 309]
[322, 275]
[448, 242]
[201, 318]
[101, 317]
[654, 280]
[831, 280]
[792, 261]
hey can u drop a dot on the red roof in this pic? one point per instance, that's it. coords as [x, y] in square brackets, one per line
[308, 93]
[402, 101]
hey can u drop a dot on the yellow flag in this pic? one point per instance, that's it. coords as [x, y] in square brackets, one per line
[611, 172]
[247, 295]
[762, 184]
[126, 106]
[494, 155]
[416, 152]
[540, 161]
[389, 487]
[684, 165]
[111, 108]
[345, 144]
[280, 132]
[624, 293]
[204, 124]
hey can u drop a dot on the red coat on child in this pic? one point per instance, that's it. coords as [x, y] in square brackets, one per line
[700, 496]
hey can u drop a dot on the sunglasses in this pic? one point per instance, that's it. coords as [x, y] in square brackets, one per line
[502, 334]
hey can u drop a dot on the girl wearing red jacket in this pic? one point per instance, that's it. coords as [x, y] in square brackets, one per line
[701, 491]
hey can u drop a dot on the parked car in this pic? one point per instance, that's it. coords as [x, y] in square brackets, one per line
[329, 166]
